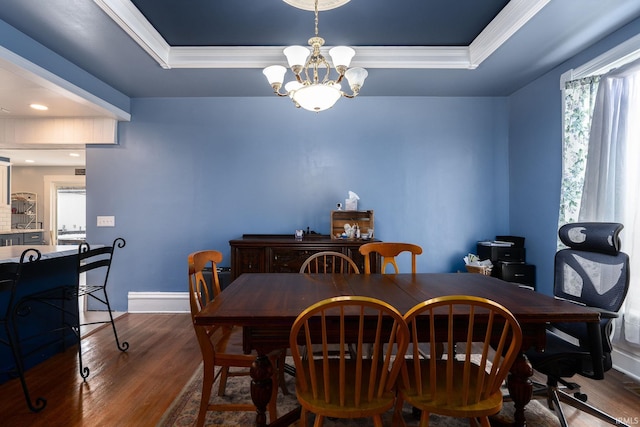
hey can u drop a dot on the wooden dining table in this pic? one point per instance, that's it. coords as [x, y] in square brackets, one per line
[267, 304]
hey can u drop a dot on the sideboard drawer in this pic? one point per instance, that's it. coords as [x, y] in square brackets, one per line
[274, 253]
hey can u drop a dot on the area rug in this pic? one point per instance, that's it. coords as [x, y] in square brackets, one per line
[183, 411]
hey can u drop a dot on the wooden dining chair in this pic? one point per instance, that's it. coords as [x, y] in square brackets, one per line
[482, 341]
[344, 386]
[221, 346]
[389, 251]
[327, 262]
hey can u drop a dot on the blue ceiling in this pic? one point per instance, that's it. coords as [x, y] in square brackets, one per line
[81, 32]
[358, 23]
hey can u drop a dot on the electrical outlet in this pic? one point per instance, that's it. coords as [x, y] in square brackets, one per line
[106, 221]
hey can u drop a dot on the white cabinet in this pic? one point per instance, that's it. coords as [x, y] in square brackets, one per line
[5, 181]
[24, 210]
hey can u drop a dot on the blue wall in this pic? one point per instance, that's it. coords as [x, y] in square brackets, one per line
[535, 158]
[191, 174]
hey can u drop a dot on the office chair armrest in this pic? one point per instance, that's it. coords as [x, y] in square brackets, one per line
[606, 314]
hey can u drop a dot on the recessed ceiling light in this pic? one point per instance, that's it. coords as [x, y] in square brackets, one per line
[74, 154]
[29, 161]
[39, 107]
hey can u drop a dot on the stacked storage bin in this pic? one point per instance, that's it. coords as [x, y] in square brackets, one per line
[508, 256]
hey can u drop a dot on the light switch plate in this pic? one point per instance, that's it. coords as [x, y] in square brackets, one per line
[106, 221]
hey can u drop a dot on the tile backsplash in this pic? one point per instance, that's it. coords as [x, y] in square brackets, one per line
[5, 217]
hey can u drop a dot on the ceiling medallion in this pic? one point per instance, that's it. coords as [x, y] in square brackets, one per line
[322, 4]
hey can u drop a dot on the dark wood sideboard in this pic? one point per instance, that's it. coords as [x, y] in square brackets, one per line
[277, 253]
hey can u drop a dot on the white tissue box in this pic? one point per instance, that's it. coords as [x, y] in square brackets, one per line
[351, 204]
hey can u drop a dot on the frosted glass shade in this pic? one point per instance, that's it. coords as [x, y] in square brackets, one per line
[296, 55]
[341, 55]
[356, 76]
[274, 74]
[292, 86]
[317, 97]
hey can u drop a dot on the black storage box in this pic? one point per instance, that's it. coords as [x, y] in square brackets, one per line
[516, 272]
[518, 242]
[501, 253]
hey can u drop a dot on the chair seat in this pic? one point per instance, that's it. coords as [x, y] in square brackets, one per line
[452, 406]
[228, 341]
[565, 361]
[349, 409]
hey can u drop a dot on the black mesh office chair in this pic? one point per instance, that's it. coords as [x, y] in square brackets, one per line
[591, 271]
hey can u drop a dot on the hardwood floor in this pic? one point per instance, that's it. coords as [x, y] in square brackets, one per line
[135, 388]
[123, 389]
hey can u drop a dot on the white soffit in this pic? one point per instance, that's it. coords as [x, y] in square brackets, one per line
[515, 14]
[40, 76]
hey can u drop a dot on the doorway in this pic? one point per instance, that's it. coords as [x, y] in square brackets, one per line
[71, 223]
[67, 212]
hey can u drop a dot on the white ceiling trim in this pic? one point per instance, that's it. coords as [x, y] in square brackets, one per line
[516, 14]
[133, 22]
[366, 56]
[510, 19]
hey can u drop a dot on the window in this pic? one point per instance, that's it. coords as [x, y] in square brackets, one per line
[601, 180]
[579, 99]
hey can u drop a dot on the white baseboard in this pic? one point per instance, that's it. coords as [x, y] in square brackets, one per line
[626, 363]
[158, 302]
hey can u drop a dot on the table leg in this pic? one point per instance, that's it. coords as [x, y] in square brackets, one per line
[261, 386]
[520, 387]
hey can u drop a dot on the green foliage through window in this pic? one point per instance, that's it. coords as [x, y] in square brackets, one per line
[579, 99]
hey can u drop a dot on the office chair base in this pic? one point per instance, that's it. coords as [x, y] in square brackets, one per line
[556, 396]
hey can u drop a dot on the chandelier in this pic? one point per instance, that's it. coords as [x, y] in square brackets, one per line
[313, 89]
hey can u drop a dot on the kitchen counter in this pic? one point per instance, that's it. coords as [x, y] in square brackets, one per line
[35, 326]
[12, 253]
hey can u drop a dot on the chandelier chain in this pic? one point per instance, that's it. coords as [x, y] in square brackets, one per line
[316, 13]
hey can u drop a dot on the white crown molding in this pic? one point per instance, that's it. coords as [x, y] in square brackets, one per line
[510, 19]
[133, 22]
[367, 56]
[506, 23]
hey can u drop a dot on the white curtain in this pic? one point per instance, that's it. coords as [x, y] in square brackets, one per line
[612, 177]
